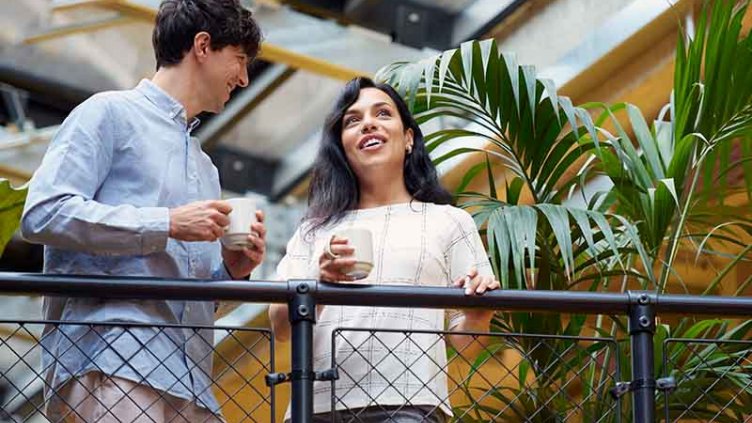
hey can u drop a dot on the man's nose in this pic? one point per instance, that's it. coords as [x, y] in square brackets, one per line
[243, 80]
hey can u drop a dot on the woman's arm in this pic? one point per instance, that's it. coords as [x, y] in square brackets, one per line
[472, 320]
[280, 323]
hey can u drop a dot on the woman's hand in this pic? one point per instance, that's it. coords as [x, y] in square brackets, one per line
[475, 319]
[336, 261]
[475, 284]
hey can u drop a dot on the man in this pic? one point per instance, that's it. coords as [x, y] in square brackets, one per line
[125, 191]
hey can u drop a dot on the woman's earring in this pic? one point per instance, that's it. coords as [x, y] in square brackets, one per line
[409, 149]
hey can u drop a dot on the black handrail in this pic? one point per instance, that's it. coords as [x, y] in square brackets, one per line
[267, 291]
[302, 296]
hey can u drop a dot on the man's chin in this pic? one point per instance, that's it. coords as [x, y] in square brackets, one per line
[216, 108]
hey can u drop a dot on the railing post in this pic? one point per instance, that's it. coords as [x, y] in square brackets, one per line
[641, 331]
[302, 311]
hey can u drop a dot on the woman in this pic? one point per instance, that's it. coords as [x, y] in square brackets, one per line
[373, 171]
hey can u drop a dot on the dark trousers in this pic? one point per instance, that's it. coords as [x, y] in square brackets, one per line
[380, 414]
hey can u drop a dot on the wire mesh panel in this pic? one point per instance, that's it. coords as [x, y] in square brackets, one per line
[713, 380]
[227, 377]
[488, 377]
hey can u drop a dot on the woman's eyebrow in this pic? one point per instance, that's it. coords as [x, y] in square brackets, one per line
[353, 111]
[380, 103]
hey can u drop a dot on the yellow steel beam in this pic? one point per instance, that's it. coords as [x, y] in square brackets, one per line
[8, 332]
[632, 49]
[80, 28]
[132, 9]
[269, 52]
[62, 6]
[277, 54]
[14, 175]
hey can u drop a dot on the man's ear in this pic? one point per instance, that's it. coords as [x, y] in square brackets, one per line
[201, 45]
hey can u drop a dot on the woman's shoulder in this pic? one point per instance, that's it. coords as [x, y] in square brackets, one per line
[311, 229]
[455, 214]
[305, 233]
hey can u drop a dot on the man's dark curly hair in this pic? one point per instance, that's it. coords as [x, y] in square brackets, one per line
[226, 21]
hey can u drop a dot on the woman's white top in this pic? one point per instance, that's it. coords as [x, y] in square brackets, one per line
[420, 244]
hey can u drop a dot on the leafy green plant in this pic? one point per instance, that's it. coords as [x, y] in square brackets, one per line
[11, 206]
[710, 114]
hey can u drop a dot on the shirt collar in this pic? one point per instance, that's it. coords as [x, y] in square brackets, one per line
[164, 102]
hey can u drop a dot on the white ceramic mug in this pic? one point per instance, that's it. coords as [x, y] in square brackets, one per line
[362, 241]
[243, 214]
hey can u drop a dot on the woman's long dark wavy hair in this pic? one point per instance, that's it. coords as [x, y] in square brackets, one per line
[334, 186]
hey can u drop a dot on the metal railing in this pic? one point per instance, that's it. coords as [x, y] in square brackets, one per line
[712, 379]
[581, 389]
[554, 378]
[24, 342]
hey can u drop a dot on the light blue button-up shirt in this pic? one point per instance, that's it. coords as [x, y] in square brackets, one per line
[99, 203]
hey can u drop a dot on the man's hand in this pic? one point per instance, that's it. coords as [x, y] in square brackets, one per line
[241, 263]
[199, 221]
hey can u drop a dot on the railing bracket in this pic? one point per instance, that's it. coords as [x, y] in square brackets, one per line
[329, 374]
[273, 379]
[666, 384]
[622, 388]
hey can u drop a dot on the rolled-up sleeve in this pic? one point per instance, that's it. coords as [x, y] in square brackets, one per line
[61, 209]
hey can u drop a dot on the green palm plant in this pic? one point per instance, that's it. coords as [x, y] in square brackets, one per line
[656, 183]
[11, 205]
[574, 387]
[545, 148]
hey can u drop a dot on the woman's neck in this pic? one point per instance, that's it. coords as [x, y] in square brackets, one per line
[389, 190]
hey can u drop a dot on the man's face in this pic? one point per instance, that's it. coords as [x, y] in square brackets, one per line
[224, 70]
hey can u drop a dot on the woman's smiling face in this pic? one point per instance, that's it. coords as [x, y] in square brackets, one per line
[373, 134]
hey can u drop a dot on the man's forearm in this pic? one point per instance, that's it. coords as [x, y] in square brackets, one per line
[88, 226]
